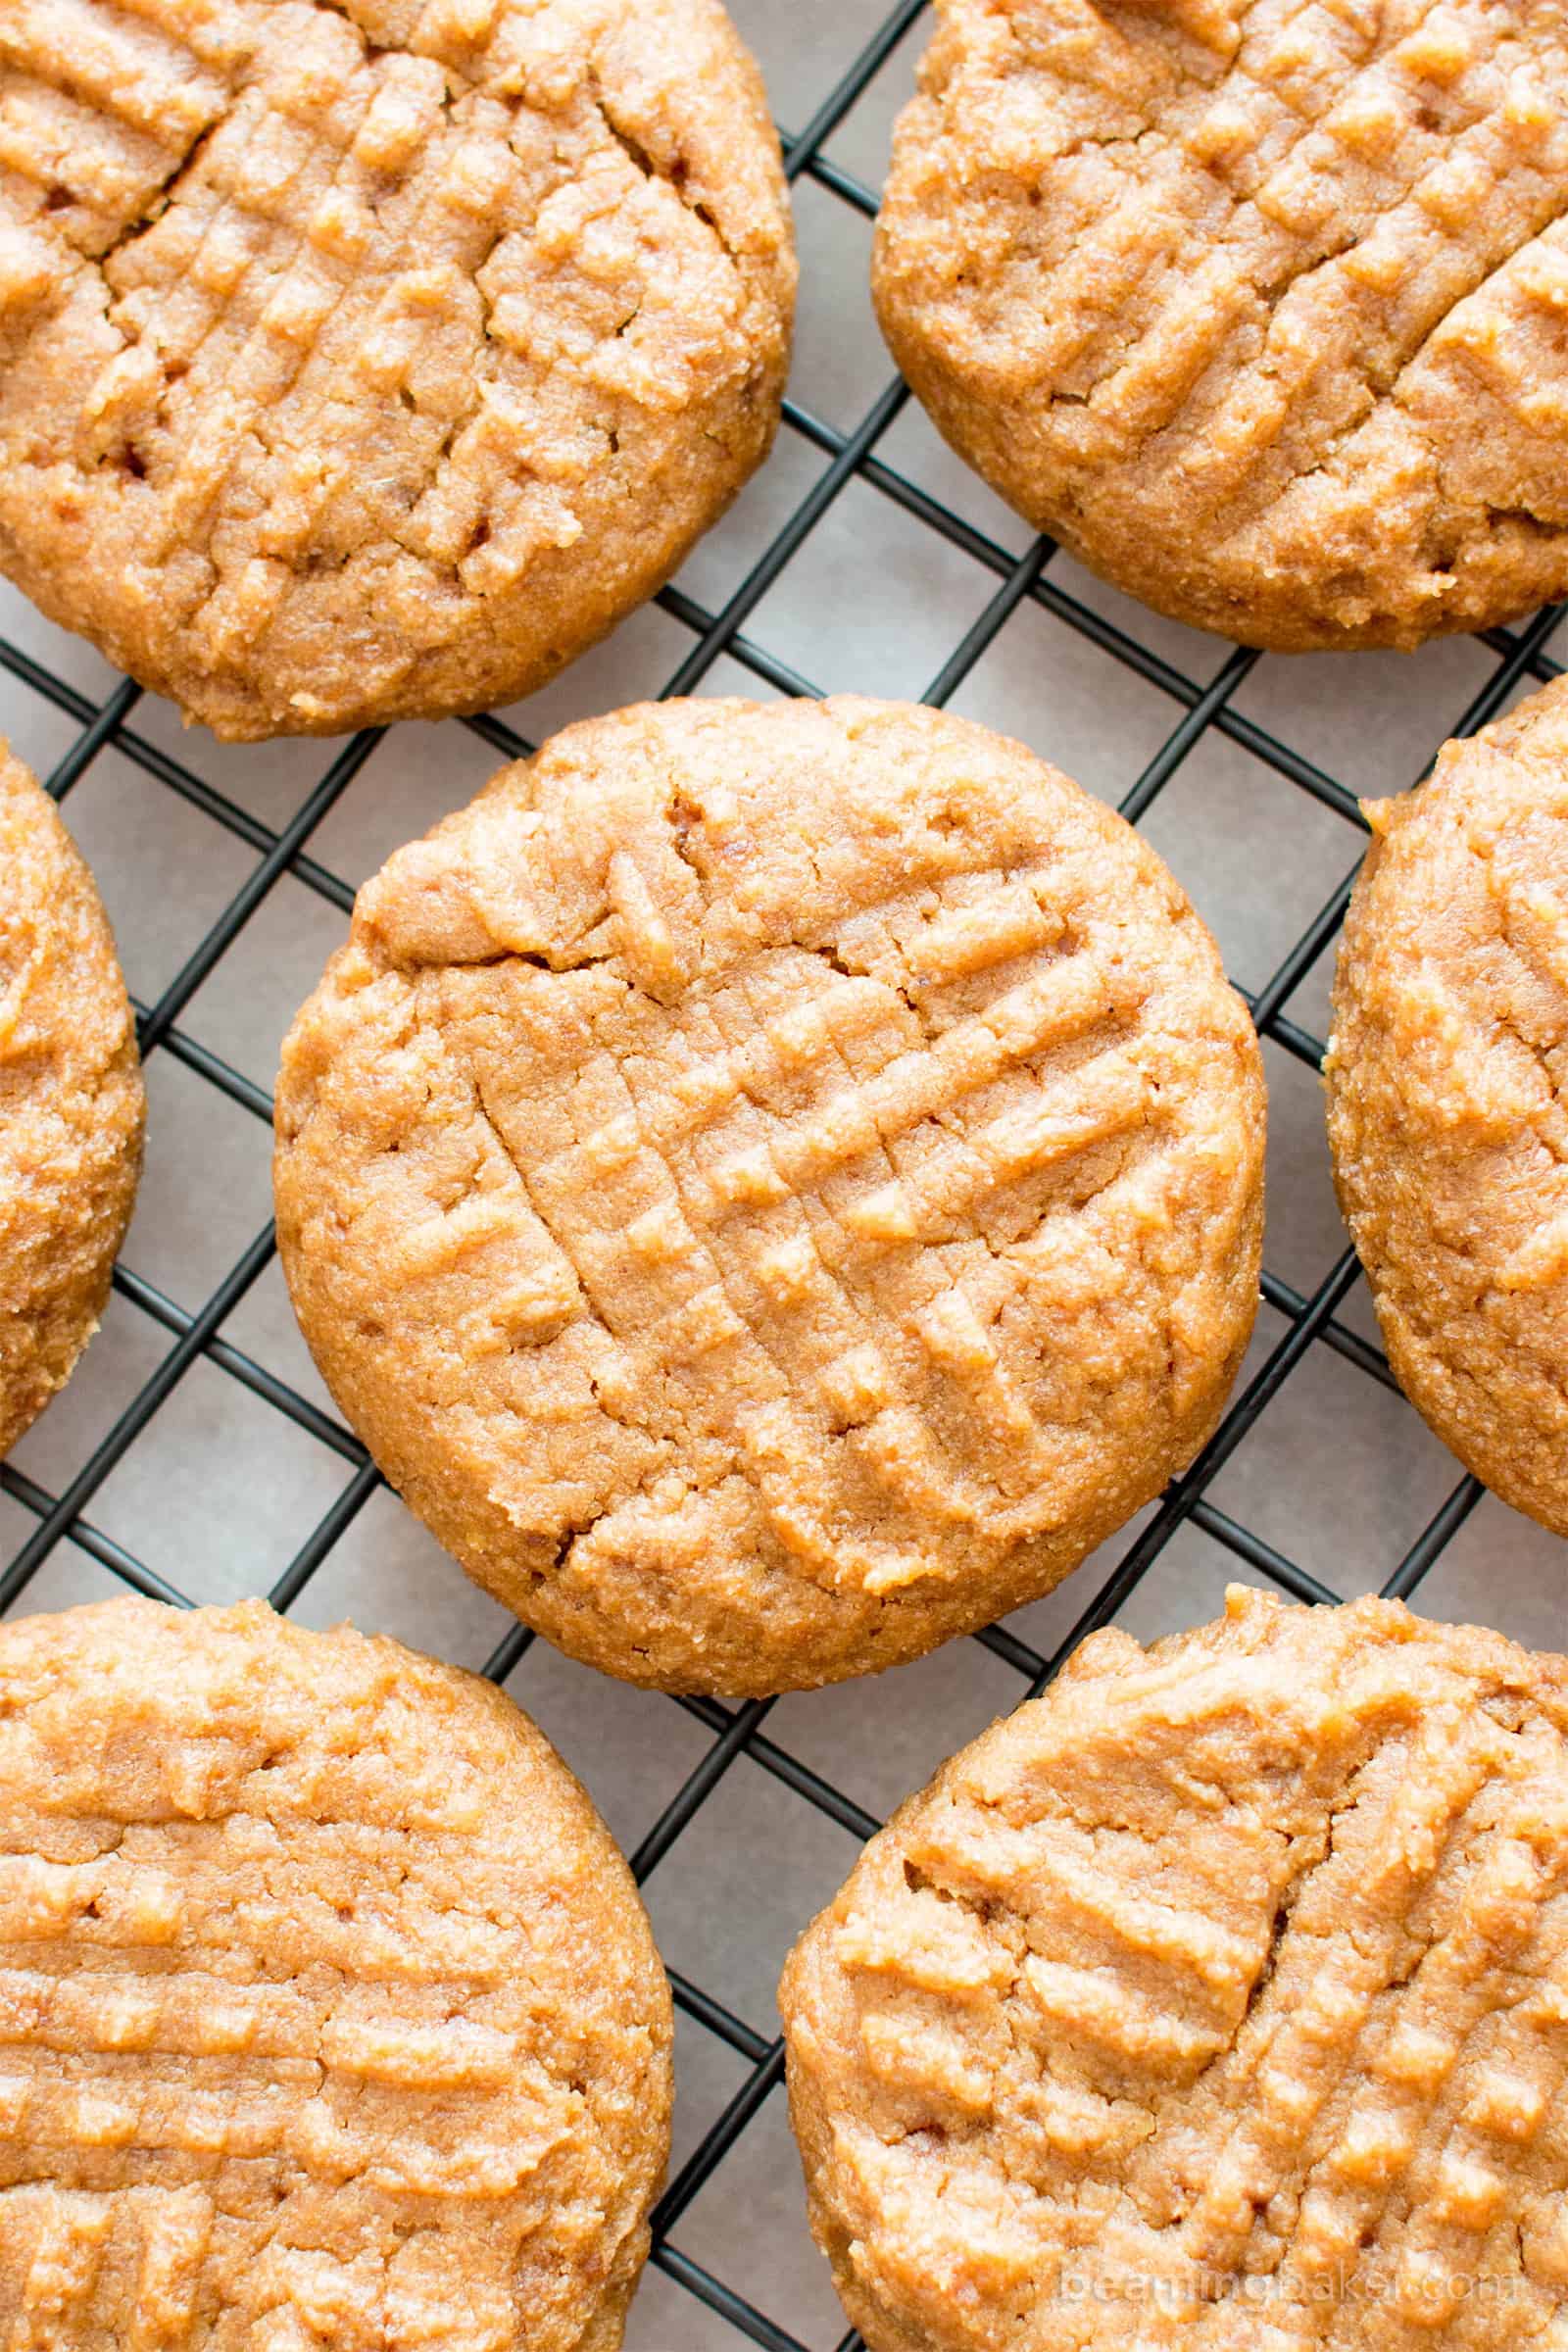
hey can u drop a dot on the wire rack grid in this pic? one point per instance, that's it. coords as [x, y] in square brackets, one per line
[747, 2272]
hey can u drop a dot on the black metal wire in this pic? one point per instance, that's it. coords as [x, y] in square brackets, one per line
[196, 1333]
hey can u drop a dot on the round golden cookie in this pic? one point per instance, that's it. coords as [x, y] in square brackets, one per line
[331, 2016]
[1448, 1077]
[1259, 309]
[1211, 2002]
[369, 359]
[773, 1187]
[71, 1102]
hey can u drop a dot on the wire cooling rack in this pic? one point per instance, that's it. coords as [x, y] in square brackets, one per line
[719, 1805]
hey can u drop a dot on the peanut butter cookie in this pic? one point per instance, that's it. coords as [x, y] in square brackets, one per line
[1259, 309]
[1211, 2002]
[71, 1102]
[331, 2013]
[1448, 1098]
[365, 359]
[773, 1187]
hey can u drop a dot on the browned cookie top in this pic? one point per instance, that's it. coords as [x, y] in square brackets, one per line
[1214, 2002]
[1263, 307]
[774, 1186]
[329, 2012]
[368, 361]
[1448, 1076]
[71, 1102]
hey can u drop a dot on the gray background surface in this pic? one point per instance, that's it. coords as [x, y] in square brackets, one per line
[220, 1492]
